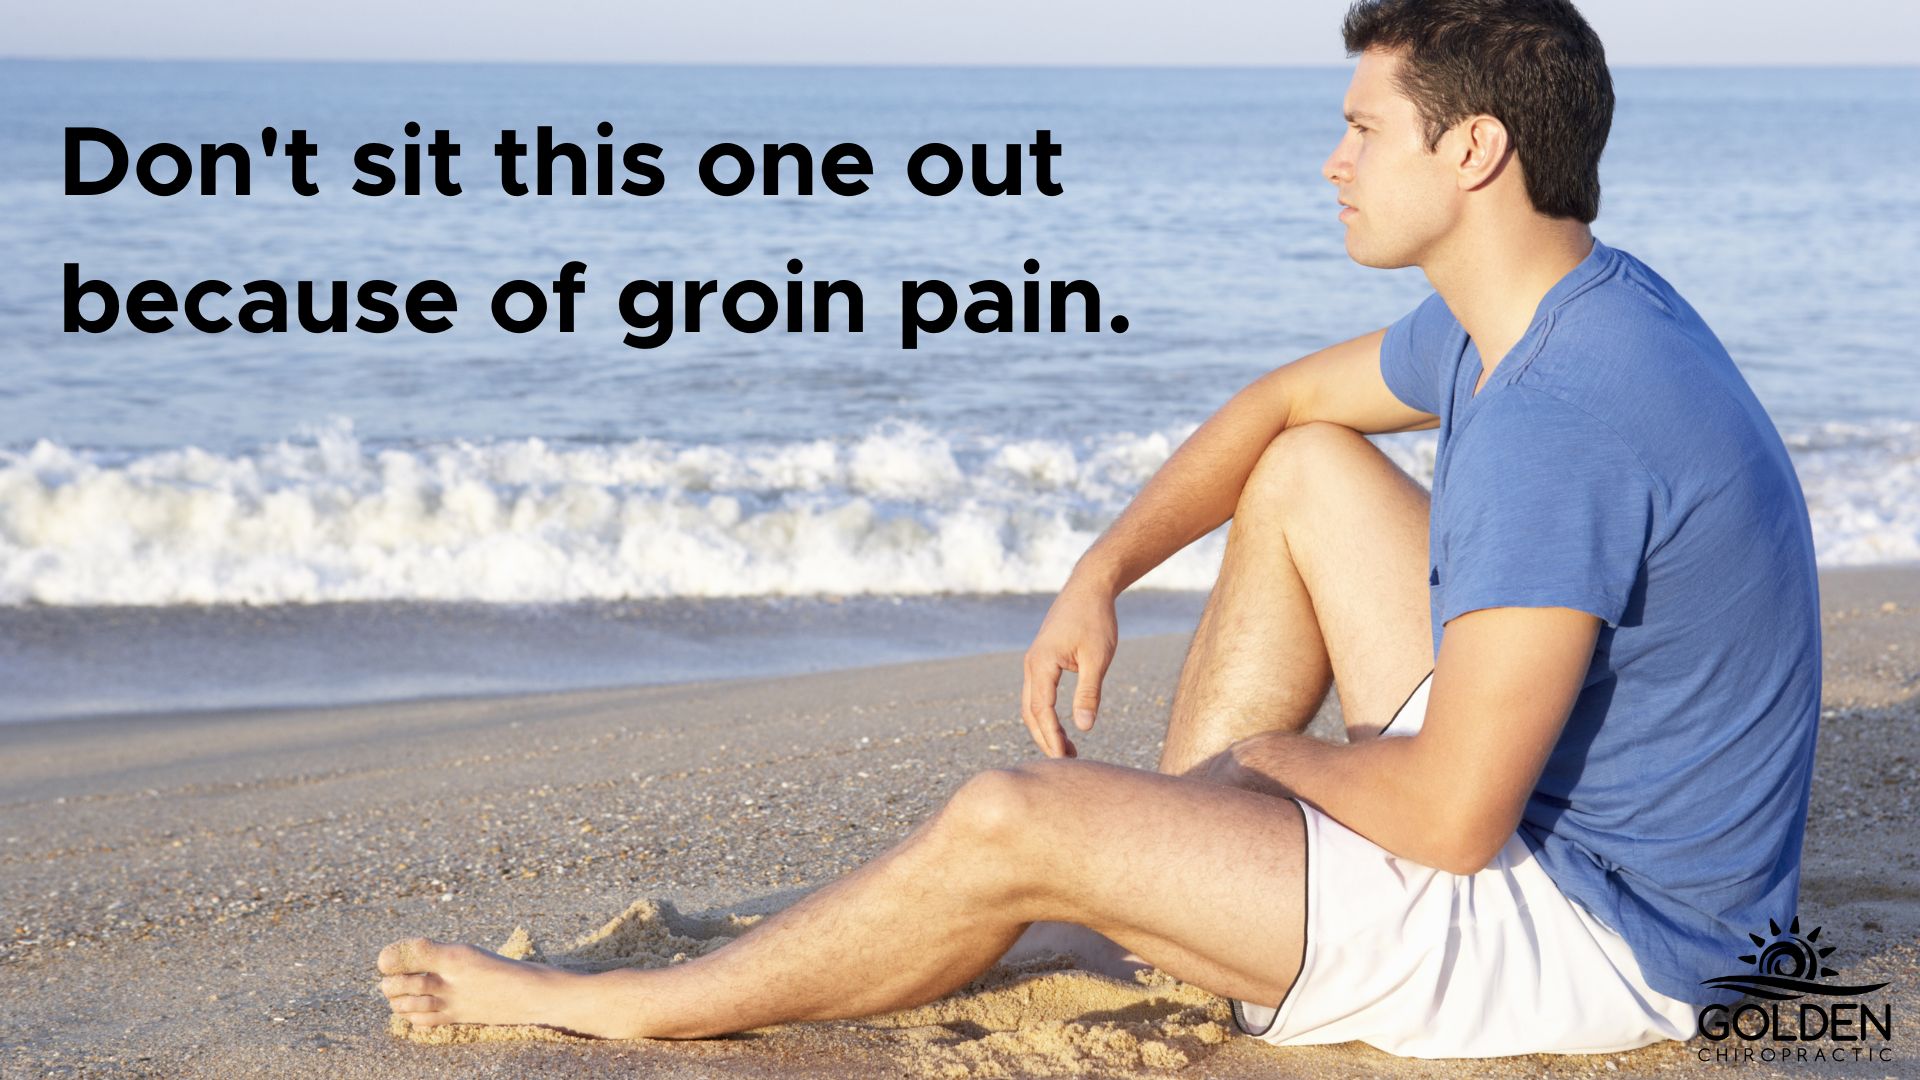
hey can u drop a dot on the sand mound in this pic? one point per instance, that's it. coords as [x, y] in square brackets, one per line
[1042, 1018]
[1038, 1017]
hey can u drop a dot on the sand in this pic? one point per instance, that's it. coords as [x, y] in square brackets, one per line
[203, 894]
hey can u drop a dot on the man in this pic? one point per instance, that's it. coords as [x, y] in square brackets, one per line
[1598, 719]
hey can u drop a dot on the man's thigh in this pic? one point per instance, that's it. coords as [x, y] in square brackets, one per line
[1202, 881]
[1357, 527]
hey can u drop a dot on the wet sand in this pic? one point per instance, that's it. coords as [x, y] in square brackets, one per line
[202, 894]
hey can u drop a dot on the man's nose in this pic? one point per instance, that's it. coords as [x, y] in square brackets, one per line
[1335, 168]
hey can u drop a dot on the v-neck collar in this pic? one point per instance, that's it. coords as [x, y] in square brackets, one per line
[1516, 357]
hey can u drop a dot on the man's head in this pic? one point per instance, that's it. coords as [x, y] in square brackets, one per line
[1505, 101]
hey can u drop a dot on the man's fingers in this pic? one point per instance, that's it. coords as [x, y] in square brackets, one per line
[1044, 688]
[1086, 691]
[1036, 703]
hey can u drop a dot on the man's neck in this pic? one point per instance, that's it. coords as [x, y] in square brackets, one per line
[1494, 278]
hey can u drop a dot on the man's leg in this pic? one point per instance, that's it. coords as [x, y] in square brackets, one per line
[1204, 881]
[1324, 578]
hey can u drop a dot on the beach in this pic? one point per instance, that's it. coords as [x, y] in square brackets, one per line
[203, 893]
[596, 648]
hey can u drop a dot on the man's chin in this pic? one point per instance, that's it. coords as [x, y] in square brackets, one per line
[1369, 257]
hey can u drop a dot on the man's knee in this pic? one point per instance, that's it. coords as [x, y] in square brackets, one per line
[1296, 458]
[996, 804]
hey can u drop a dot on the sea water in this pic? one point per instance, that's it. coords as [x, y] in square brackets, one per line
[708, 506]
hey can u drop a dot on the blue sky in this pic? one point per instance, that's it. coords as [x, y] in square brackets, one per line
[909, 31]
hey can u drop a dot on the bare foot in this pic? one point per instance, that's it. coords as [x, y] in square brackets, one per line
[431, 983]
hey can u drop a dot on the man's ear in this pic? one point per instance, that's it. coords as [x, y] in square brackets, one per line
[1482, 147]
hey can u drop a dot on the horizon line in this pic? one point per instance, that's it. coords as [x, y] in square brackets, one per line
[911, 65]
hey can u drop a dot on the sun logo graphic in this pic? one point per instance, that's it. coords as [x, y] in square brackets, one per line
[1788, 966]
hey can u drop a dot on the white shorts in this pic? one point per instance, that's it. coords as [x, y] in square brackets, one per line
[1424, 963]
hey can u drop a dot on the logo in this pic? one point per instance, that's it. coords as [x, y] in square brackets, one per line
[1787, 967]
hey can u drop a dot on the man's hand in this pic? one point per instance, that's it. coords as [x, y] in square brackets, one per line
[1079, 635]
[1451, 795]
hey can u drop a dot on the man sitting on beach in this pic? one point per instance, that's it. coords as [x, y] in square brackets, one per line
[1580, 680]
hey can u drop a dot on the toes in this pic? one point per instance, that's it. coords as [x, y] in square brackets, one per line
[416, 1003]
[427, 1020]
[402, 985]
[403, 957]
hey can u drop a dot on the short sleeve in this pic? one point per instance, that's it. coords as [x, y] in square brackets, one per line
[1417, 354]
[1546, 507]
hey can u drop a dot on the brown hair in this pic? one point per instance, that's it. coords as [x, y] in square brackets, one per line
[1534, 65]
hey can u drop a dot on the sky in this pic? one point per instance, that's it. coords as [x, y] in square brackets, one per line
[1025, 32]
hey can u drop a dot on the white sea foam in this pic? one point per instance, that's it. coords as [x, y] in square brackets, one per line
[899, 511]
[324, 517]
[1862, 483]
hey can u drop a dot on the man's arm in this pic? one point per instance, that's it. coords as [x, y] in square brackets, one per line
[1450, 795]
[1196, 490]
[1192, 494]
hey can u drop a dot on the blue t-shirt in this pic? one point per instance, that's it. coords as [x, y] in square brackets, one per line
[1617, 462]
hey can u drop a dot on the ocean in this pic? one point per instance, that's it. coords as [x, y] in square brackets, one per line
[194, 520]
